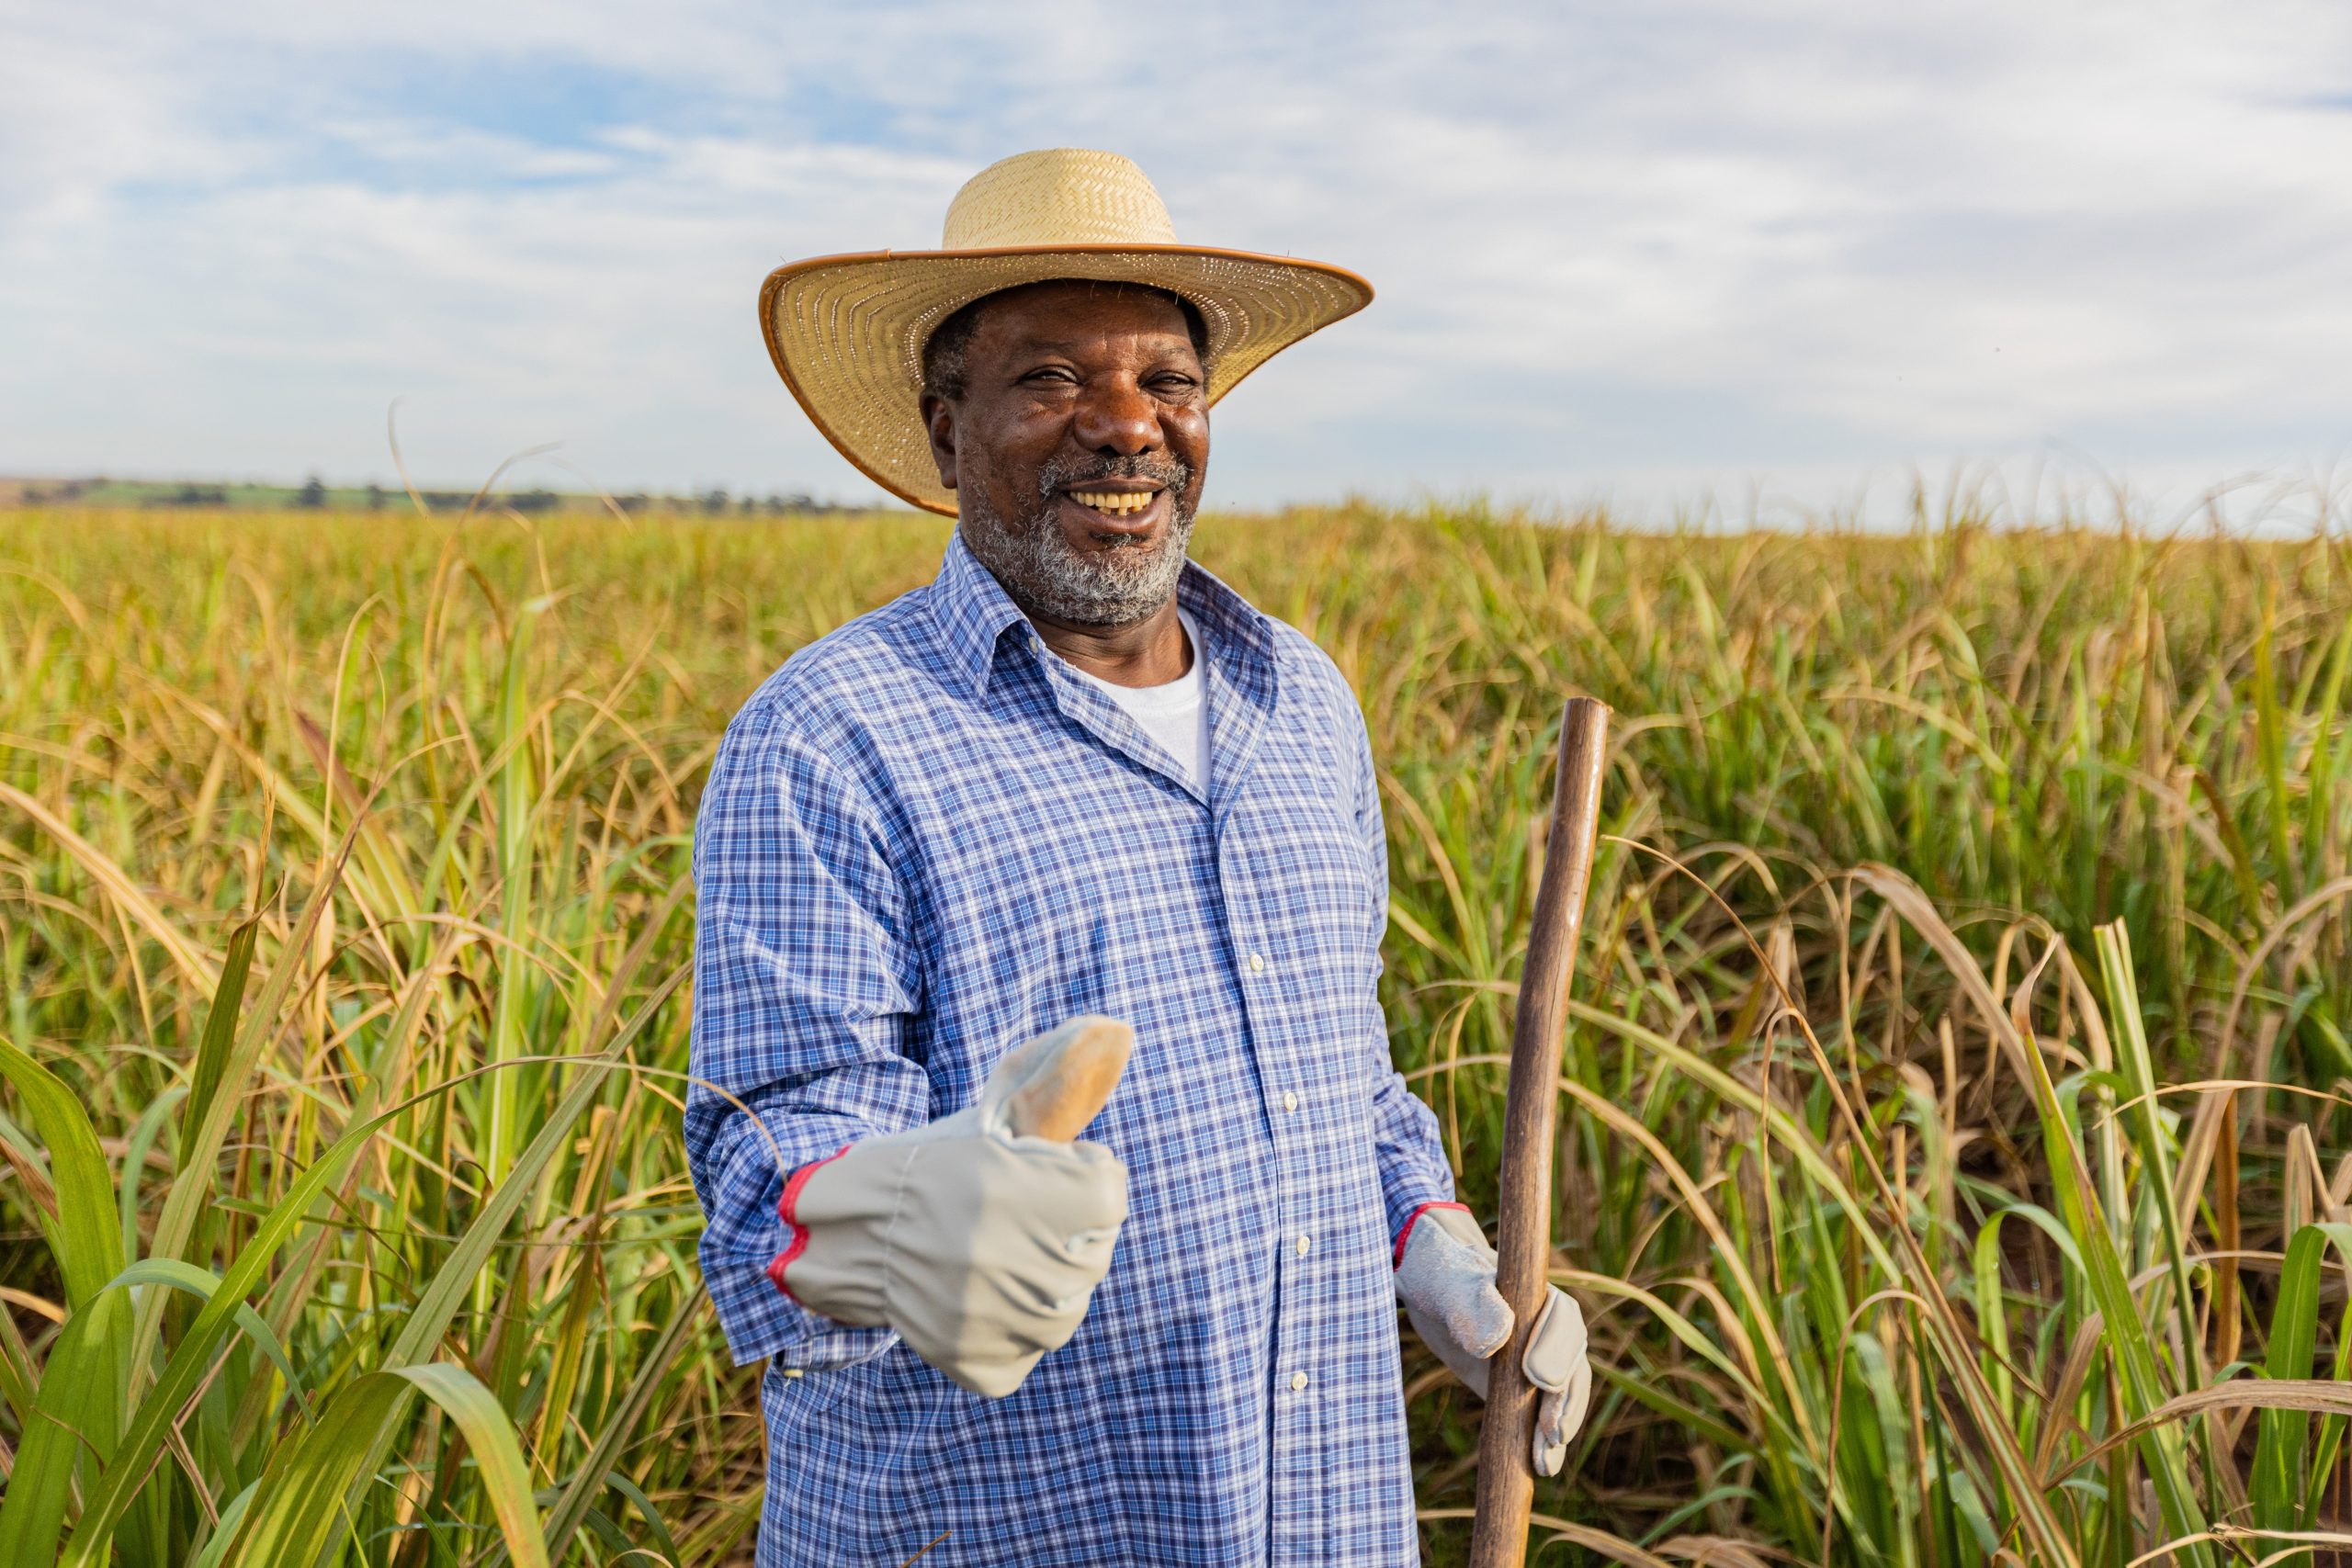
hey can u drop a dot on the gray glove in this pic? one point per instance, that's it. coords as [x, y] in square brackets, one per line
[1445, 1277]
[979, 1245]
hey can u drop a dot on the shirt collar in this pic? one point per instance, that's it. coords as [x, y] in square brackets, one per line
[972, 611]
[1225, 617]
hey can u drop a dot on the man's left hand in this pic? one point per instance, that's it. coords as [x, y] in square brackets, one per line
[1445, 1277]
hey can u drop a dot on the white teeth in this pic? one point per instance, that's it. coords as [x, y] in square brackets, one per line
[1119, 503]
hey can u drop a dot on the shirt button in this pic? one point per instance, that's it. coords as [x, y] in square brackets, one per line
[1290, 1100]
[1256, 964]
[1298, 1382]
[1302, 1244]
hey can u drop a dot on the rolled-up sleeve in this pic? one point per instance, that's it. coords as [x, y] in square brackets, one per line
[805, 983]
[1413, 1169]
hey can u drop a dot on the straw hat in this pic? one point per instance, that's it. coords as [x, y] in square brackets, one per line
[847, 332]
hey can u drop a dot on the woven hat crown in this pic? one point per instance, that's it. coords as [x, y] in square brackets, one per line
[1065, 196]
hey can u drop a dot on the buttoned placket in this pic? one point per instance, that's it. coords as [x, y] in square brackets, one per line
[1101, 719]
[1236, 724]
[1295, 1487]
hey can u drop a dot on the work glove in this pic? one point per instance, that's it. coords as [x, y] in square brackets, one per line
[981, 1246]
[1445, 1277]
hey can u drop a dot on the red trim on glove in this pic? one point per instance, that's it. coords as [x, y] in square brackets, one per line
[1407, 1229]
[797, 1243]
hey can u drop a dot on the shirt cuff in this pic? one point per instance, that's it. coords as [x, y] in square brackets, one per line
[1409, 1185]
[740, 1242]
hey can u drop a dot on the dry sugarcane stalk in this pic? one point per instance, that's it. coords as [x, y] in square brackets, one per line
[1506, 1480]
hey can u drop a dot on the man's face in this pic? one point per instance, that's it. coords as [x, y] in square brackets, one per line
[1078, 448]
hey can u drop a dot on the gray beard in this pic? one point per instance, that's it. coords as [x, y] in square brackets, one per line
[1042, 572]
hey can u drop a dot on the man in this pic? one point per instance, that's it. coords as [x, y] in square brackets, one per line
[1074, 776]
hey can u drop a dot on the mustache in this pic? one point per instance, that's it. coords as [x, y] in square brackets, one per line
[1060, 473]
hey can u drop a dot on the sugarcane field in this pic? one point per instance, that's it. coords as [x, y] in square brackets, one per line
[679, 885]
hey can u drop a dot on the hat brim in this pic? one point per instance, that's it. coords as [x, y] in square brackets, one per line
[846, 333]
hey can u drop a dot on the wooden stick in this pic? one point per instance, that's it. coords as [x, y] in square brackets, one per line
[1506, 1475]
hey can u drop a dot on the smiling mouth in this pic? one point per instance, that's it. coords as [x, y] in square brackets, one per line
[1114, 502]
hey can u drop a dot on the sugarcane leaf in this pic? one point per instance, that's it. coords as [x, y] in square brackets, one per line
[2279, 1453]
[598, 1466]
[216, 1545]
[84, 1234]
[299, 1512]
[108, 1502]
[220, 1088]
[144, 1135]
[2127, 1338]
[663, 1540]
[220, 1030]
[429, 1317]
[76, 1411]
[203, 1285]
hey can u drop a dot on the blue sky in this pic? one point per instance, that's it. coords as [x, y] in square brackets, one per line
[1667, 253]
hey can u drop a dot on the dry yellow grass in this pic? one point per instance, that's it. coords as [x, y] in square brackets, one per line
[1886, 1239]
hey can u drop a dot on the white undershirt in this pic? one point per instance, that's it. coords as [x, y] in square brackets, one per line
[1172, 714]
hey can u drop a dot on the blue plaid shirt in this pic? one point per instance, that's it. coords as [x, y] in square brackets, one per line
[926, 838]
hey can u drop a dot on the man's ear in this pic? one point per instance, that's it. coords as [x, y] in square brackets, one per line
[939, 423]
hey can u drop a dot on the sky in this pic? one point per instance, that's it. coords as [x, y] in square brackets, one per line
[1670, 256]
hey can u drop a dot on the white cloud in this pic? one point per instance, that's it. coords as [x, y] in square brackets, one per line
[1638, 247]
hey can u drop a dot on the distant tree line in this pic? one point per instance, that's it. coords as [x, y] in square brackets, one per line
[718, 503]
[315, 494]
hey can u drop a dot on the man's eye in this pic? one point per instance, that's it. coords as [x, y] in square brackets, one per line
[1054, 374]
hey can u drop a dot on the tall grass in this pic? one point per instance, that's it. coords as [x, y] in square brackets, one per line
[1955, 1168]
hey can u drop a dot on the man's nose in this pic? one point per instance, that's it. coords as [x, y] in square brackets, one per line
[1118, 417]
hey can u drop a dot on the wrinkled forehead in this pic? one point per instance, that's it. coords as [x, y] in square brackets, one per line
[1071, 309]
